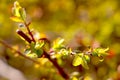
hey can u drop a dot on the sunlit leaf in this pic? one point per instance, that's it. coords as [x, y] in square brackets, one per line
[16, 19]
[84, 63]
[100, 52]
[16, 9]
[18, 12]
[80, 59]
[40, 44]
[22, 13]
[77, 60]
[87, 58]
[58, 43]
[27, 51]
[32, 55]
[58, 55]
[64, 52]
[74, 78]
[16, 4]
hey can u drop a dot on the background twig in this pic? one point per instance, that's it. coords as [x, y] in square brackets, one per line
[17, 51]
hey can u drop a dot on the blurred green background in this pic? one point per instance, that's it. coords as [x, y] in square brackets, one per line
[86, 19]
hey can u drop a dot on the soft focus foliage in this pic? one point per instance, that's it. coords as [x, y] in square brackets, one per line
[82, 23]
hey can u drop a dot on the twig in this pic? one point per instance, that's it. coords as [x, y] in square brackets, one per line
[60, 69]
[27, 26]
[17, 51]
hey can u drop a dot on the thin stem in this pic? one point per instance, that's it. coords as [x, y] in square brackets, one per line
[17, 51]
[60, 69]
[30, 33]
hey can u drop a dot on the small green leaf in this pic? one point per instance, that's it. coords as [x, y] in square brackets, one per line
[19, 14]
[77, 60]
[84, 63]
[64, 52]
[39, 52]
[16, 19]
[16, 9]
[87, 58]
[27, 51]
[99, 52]
[94, 53]
[22, 14]
[60, 41]
[57, 44]
[40, 44]
[16, 4]
[32, 55]
[80, 59]
[58, 55]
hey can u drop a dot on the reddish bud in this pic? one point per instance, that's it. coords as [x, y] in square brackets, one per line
[23, 35]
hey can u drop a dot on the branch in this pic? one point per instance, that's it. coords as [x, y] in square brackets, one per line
[60, 69]
[30, 33]
[17, 51]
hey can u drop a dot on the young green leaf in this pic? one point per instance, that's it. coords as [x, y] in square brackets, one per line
[16, 8]
[99, 52]
[16, 19]
[77, 60]
[27, 51]
[32, 55]
[87, 58]
[19, 14]
[80, 59]
[84, 63]
[39, 52]
[22, 14]
[40, 44]
[57, 44]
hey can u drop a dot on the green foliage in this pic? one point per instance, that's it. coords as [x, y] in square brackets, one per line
[99, 52]
[19, 14]
[80, 59]
[83, 59]
[57, 44]
[36, 49]
[80, 23]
